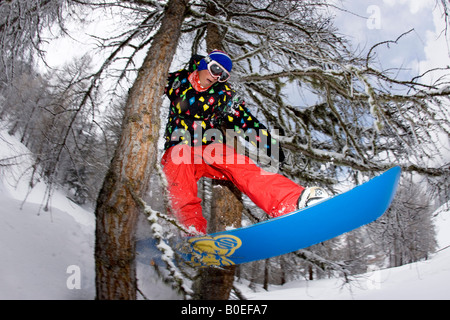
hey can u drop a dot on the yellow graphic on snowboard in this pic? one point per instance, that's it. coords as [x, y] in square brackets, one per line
[213, 251]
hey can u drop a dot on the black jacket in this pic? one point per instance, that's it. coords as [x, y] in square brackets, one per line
[199, 118]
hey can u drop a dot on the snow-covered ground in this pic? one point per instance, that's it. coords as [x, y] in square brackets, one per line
[40, 249]
[50, 254]
[417, 281]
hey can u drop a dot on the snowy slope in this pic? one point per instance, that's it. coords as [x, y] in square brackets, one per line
[38, 248]
[419, 281]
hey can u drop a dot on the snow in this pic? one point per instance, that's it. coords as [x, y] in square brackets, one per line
[424, 280]
[50, 254]
[39, 249]
[37, 252]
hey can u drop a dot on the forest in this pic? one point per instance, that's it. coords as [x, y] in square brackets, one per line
[95, 127]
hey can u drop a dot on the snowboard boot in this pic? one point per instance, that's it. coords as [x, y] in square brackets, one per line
[311, 196]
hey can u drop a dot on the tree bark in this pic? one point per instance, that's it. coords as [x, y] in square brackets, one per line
[226, 210]
[214, 36]
[226, 207]
[132, 165]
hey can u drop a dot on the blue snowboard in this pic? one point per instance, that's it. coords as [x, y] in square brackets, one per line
[300, 229]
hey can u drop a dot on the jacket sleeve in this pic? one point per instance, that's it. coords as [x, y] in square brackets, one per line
[239, 118]
[173, 76]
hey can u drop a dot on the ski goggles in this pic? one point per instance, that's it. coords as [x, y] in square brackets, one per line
[216, 70]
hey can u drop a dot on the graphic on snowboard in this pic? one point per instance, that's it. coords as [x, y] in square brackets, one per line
[213, 250]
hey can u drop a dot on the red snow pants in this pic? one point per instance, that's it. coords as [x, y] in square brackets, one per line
[184, 166]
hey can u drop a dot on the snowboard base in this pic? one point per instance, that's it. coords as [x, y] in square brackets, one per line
[297, 230]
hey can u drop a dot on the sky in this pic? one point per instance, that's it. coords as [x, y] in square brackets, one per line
[374, 21]
[424, 48]
[366, 22]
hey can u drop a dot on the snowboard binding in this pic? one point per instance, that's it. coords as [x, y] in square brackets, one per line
[312, 195]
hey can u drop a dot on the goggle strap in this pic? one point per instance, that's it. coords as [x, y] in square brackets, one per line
[207, 59]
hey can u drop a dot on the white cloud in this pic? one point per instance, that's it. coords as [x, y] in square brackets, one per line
[437, 50]
[414, 5]
[394, 2]
[417, 5]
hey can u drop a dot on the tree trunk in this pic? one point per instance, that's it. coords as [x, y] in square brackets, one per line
[131, 167]
[214, 36]
[266, 274]
[226, 207]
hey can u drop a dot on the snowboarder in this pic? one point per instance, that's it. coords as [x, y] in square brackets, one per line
[201, 104]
